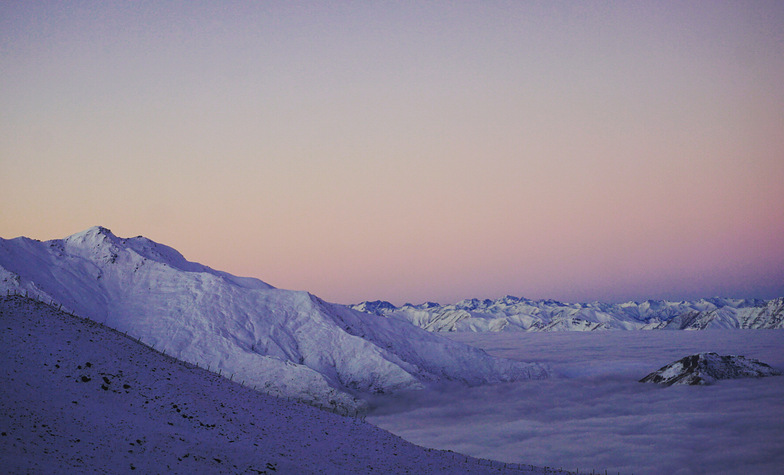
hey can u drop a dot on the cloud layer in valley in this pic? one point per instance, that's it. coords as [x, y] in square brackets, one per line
[597, 416]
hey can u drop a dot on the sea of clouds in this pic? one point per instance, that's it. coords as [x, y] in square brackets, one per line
[594, 415]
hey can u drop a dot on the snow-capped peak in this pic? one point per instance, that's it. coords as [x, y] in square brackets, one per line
[511, 313]
[288, 343]
[96, 244]
[99, 241]
[95, 233]
[707, 368]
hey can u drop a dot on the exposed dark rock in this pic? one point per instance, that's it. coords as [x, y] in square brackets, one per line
[707, 368]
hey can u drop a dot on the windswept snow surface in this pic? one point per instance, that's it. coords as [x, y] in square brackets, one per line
[283, 342]
[520, 314]
[594, 414]
[78, 397]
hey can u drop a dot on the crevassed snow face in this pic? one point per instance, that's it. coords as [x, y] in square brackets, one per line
[598, 416]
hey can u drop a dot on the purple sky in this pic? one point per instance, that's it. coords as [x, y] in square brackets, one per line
[409, 151]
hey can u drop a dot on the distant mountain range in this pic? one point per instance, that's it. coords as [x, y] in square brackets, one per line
[283, 342]
[519, 314]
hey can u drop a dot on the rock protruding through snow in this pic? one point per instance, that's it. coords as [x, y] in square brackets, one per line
[707, 368]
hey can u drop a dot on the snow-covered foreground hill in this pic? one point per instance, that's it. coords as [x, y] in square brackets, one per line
[78, 397]
[520, 314]
[594, 414]
[282, 342]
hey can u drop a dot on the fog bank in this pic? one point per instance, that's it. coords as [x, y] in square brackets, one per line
[593, 414]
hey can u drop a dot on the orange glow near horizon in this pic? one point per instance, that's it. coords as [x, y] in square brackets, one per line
[410, 152]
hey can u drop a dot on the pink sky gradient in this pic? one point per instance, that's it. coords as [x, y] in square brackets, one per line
[410, 151]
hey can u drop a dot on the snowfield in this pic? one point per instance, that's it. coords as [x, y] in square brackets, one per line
[78, 397]
[594, 414]
[285, 343]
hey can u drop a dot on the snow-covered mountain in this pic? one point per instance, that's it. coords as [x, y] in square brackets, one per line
[519, 314]
[78, 397]
[283, 342]
[707, 368]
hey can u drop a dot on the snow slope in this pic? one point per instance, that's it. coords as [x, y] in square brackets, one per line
[283, 342]
[519, 314]
[78, 397]
[707, 368]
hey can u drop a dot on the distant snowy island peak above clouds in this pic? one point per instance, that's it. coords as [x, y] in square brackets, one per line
[703, 369]
[286, 343]
[519, 314]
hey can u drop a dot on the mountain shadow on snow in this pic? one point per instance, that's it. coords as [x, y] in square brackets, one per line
[707, 368]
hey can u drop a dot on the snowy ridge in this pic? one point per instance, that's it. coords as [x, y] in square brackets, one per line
[520, 314]
[283, 342]
[87, 399]
[707, 368]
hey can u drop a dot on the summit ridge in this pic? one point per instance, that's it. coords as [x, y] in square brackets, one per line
[286, 343]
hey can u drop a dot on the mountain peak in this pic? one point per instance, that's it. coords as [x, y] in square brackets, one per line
[285, 342]
[98, 238]
[95, 235]
[95, 243]
[97, 231]
[706, 368]
[377, 307]
[512, 313]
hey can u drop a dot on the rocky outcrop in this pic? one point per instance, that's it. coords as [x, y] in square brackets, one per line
[707, 368]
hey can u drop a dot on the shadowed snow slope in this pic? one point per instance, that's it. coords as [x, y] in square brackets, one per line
[519, 314]
[283, 342]
[707, 368]
[78, 397]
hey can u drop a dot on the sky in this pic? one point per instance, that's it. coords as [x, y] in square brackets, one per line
[409, 151]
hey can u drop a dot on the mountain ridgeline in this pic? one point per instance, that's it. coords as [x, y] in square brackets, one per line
[520, 314]
[283, 342]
